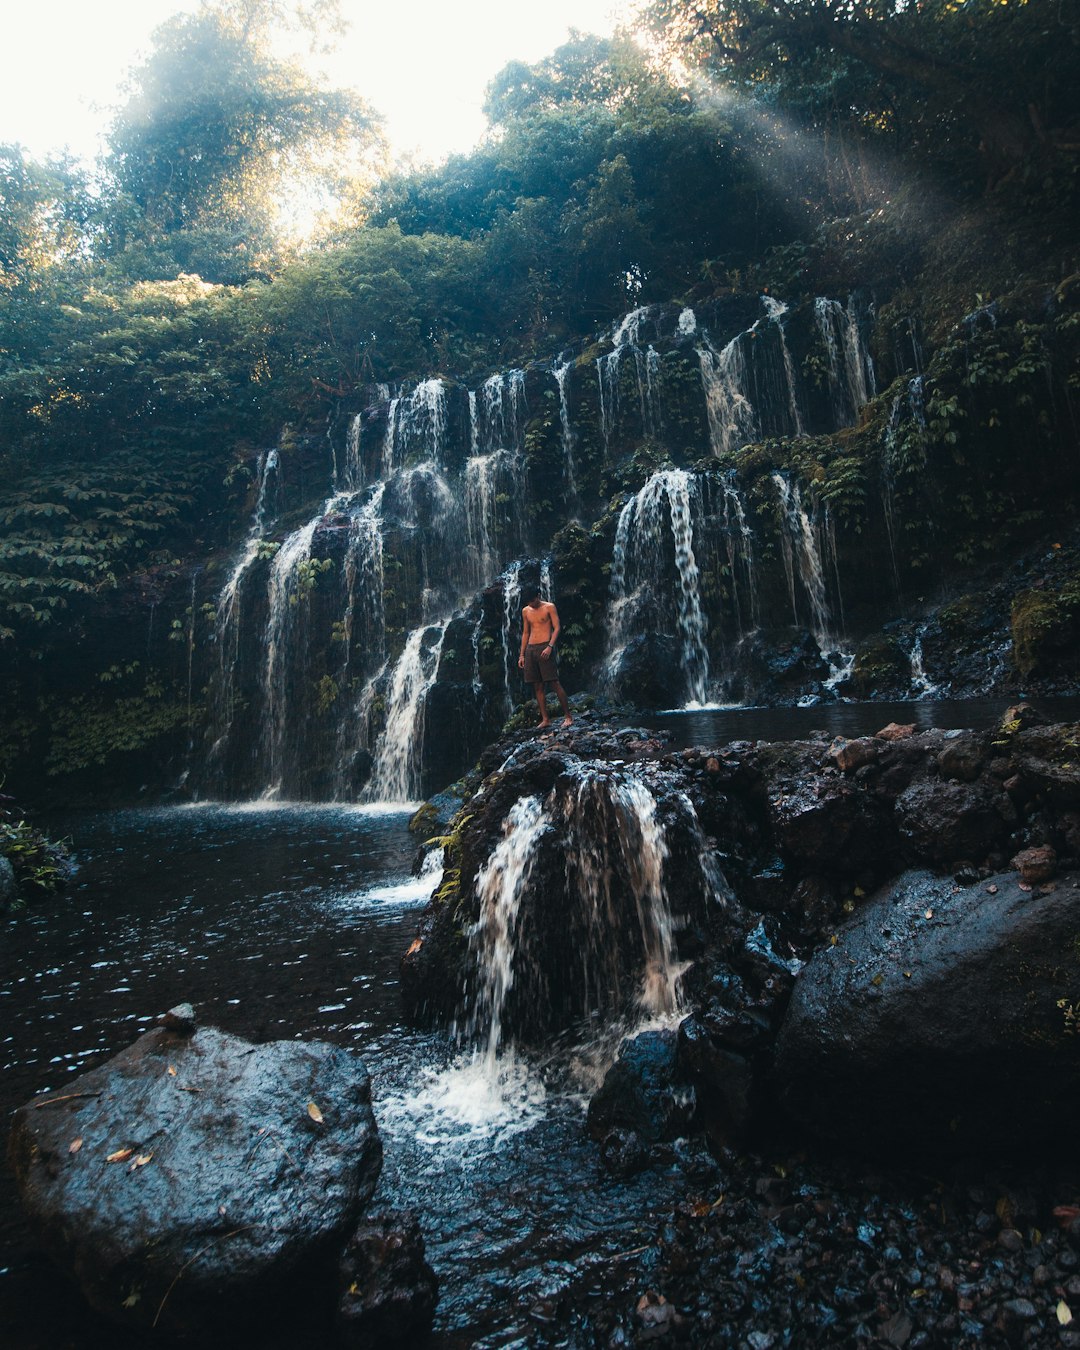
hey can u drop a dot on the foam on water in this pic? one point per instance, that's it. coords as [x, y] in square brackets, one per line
[475, 1102]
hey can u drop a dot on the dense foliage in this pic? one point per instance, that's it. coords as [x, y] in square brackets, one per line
[160, 321]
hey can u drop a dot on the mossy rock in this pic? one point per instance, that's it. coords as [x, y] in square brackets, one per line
[1045, 626]
[878, 663]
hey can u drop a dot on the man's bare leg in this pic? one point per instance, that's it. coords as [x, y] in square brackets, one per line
[541, 703]
[564, 704]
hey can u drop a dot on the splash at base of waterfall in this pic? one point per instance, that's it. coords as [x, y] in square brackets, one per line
[474, 1102]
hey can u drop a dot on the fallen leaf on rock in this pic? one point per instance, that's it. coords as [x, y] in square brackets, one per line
[991, 890]
[171, 1071]
[121, 1155]
[140, 1161]
[907, 974]
[1064, 1313]
[897, 1330]
[1066, 1213]
[75, 1145]
[833, 940]
[131, 1299]
[315, 1114]
[417, 943]
[878, 980]
[1025, 887]
[929, 913]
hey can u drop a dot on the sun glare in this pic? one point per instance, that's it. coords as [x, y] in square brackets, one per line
[424, 69]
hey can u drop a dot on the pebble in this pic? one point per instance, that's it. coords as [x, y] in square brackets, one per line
[180, 1019]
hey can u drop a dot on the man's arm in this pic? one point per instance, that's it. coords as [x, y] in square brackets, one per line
[524, 640]
[553, 614]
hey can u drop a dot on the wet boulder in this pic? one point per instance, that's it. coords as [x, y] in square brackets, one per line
[643, 1091]
[389, 1291]
[650, 672]
[949, 822]
[829, 824]
[196, 1183]
[940, 1017]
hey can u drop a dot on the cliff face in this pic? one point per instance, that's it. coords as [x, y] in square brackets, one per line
[742, 501]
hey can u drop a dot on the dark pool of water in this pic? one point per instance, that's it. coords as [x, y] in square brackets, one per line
[717, 726]
[291, 922]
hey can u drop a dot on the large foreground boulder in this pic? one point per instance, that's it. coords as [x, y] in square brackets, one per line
[197, 1183]
[941, 1014]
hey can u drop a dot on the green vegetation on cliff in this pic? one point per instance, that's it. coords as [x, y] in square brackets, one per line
[159, 325]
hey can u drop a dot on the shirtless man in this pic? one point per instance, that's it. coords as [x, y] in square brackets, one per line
[539, 633]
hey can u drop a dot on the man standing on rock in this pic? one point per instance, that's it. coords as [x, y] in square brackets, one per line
[539, 634]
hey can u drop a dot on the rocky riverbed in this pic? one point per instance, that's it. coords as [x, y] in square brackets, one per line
[916, 892]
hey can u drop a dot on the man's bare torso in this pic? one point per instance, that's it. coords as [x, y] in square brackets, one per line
[539, 623]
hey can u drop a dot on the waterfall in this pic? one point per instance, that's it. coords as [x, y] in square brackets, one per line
[626, 337]
[397, 772]
[723, 378]
[290, 578]
[740, 550]
[499, 888]
[500, 412]
[801, 541]
[921, 684]
[802, 557]
[569, 437]
[353, 478]
[909, 401]
[416, 425]
[776, 309]
[851, 370]
[644, 595]
[607, 375]
[575, 925]
[511, 627]
[494, 511]
[228, 610]
[616, 850]
[363, 623]
[749, 393]
[435, 506]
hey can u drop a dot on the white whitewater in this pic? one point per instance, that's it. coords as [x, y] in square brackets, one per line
[655, 524]
[500, 885]
[396, 773]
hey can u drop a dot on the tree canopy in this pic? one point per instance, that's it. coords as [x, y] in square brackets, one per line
[215, 129]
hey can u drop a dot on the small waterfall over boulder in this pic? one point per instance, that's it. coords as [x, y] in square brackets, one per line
[574, 887]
